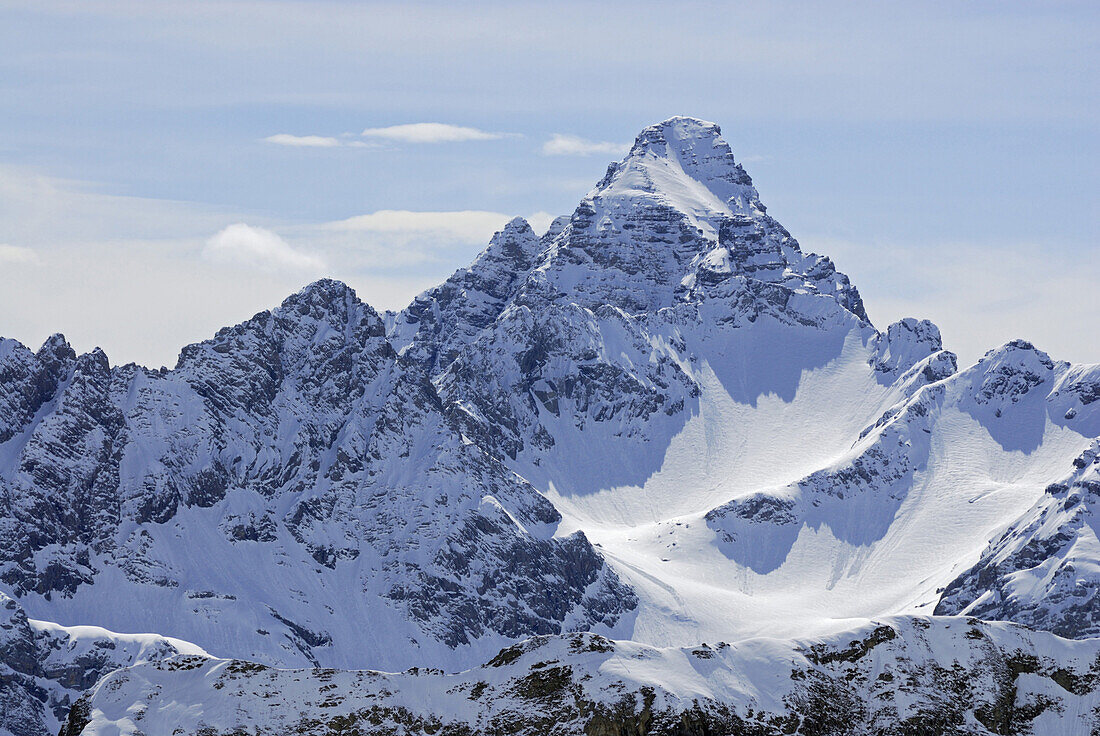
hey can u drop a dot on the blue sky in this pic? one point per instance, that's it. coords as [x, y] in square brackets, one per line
[944, 154]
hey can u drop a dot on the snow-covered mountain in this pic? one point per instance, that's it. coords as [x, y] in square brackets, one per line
[292, 490]
[661, 421]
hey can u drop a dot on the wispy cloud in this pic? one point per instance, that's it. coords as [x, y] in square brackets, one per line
[465, 226]
[571, 145]
[431, 133]
[254, 246]
[15, 254]
[388, 241]
[304, 141]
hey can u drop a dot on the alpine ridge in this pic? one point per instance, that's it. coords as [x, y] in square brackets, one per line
[555, 476]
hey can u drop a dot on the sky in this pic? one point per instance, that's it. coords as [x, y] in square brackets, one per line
[170, 168]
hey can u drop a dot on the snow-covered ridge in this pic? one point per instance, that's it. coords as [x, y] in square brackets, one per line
[1044, 570]
[935, 676]
[45, 667]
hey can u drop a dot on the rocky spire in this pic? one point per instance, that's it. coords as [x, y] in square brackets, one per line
[441, 321]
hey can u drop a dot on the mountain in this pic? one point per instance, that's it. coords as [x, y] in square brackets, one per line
[661, 422]
[291, 490]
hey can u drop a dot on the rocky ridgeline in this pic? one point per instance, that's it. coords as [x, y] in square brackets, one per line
[299, 429]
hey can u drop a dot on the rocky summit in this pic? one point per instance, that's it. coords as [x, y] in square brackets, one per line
[652, 471]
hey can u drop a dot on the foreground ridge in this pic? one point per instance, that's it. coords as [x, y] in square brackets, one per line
[898, 676]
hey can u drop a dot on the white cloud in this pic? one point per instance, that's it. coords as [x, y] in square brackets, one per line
[390, 241]
[45, 212]
[465, 226]
[15, 254]
[306, 141]
[430, 133]
[540, 221]
[571, 145]
[254, 246]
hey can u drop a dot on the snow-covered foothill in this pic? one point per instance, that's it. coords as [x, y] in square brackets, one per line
[45, 667]
[895, 676]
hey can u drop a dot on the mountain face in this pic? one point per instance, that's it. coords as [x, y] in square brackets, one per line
[298, 456]
[661, 422]
[1043, 570]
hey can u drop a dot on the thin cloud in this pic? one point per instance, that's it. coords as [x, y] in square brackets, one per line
[245, 245]
[431, 133]
[391, 240]
[304, 141]
[465, 226]
[571, 145]
[540, 221]
[17, 255]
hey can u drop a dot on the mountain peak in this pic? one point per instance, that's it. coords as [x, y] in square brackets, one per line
[322, 290]
[680, 129]
[327, 300]
[55, 348]
[516, 225]
[514, 247]
[683, 163]
[678, 219]
[452, 313]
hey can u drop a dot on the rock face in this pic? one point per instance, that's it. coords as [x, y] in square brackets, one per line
[661, 421]
[900, 676]
[442, 321]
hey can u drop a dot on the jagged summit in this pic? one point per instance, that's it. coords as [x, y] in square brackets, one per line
[685, 163]
[56, 345]
[445, 318]
[514, 246]
[326, 288]
[676, 221]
